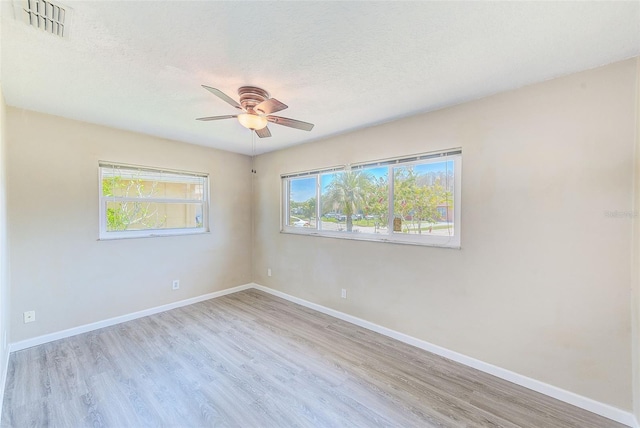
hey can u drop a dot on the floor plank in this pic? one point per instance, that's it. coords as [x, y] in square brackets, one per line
[250, 359]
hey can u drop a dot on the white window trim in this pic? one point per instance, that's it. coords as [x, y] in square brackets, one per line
[390, 237]
[104, 235]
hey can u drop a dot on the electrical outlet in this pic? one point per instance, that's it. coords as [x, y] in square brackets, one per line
[269, 272]
[344, 293]
[176, 284]
[29, 316]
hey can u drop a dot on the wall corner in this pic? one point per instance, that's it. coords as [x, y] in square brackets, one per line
[635, 289]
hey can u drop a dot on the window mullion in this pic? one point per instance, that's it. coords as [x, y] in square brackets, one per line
[390, 201]
[154, 200]
[287, 204]
[318, 204]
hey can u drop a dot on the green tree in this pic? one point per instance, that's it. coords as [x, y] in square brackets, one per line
[404, 189]
[377, 200]
[347, 192]
[122, 215]
[309, 207]
[306, 209]
[415, 199]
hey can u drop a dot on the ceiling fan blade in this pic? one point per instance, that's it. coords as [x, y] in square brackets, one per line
[224, 97]
[263, 133]
[270, 106]
[229, 116]
[291, 123]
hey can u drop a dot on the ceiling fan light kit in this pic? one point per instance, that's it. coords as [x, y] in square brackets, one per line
[252, 121]
[257, 106]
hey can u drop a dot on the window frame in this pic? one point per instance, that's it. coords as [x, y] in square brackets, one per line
[105, 235]
[390, 236]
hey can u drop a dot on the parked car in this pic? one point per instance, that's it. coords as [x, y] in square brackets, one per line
[301, 223]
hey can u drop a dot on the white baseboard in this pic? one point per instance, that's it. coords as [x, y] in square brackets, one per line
[28, 343]
[3, 378]
[589, 404]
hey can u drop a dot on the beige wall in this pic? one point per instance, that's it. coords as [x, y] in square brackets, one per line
[61, 270]
[541, 284]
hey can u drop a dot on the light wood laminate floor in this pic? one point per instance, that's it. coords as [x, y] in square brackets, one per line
[253, 360]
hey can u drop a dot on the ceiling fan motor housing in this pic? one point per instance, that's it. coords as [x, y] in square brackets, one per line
[251, 96]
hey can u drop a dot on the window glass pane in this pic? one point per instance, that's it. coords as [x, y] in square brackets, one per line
[423, 198]
[332, 218]
[355, 201]
[141, 184]
[375, 211]
[122, 216]
[302, 202]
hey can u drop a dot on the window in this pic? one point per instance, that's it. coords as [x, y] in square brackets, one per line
[411, 200]
[141, 202]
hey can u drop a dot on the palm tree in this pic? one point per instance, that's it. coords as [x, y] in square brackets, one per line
[347, 192]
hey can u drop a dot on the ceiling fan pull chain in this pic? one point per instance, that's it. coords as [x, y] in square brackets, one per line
[253, 151]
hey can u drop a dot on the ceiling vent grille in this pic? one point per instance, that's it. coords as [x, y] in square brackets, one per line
[50, 17]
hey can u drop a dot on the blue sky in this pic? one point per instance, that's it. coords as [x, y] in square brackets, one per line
[304, 188]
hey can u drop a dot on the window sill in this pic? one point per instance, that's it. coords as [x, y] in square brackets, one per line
[121, 236]
[356, 237]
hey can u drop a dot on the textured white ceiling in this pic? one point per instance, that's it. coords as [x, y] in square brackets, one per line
[340, 65]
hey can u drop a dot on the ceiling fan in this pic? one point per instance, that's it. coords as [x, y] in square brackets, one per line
[257, 107]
